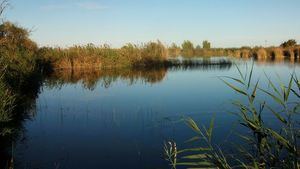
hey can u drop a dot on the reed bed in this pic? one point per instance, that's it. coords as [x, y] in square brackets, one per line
[148, 54]
[104, 56]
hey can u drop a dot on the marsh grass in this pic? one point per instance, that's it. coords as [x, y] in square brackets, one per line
[103, 56]
[263, 146]
[148, 54]
[6, 104]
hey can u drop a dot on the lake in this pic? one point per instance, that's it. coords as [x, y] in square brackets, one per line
[121, 118]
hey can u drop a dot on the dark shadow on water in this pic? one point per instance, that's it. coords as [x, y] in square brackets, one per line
[13, 129]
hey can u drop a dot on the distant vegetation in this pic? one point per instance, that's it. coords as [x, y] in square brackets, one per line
[23, 64]
[104, 56]
[154, 53]
[21, 57]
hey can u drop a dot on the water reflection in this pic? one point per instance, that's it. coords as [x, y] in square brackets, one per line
[12, 129]
[90, 78]
[117, 119]
[273, 61]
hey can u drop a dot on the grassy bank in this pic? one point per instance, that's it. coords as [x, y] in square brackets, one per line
[20, 79]
[103, 56]
[22, 57]
[151, 54]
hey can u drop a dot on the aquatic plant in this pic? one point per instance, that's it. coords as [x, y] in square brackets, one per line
[174, 50]
[264, 146]
[6, 103]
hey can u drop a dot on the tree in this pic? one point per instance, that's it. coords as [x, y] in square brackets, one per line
[206, 44]
[289, 43]
[187, 48]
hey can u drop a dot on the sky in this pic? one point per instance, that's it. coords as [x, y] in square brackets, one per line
[225, 23]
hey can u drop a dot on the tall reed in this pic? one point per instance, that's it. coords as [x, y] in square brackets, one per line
[264, 146]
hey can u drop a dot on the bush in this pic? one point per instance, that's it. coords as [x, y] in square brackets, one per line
[206, 44]
[18, 54]
[289, 43]
[187, 48]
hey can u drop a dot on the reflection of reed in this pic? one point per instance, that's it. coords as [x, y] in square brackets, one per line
[91, 77]
[12, 128]
[147, 74]
[291, 61]
[200, 64]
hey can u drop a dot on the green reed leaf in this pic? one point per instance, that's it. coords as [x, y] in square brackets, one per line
[275, 98]
[191, 123]
[196, 138]
[253, 95]
[277, 115]
[235, 88]
[250, 76]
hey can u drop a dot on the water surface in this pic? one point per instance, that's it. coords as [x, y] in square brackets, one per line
[120, 119]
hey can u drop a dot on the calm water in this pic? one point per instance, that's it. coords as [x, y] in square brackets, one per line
[120, 119]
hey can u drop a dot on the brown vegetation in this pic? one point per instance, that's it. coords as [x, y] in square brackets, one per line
[104, 56]
[90, 77]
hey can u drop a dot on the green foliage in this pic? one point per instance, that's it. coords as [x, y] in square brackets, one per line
[19, 67]
[153, 51]
[187, 48]
[17, 54]
[206, 44]
[265, 147]
[289, 43]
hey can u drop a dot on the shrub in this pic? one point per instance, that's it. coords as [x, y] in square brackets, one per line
[187, 48]
[289, 43]
[18, 53]
[154, 51]
[206, 44]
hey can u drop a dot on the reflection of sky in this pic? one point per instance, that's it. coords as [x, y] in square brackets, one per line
[125, 125]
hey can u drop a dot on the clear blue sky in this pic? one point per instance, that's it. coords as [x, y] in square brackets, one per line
[226, 23]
